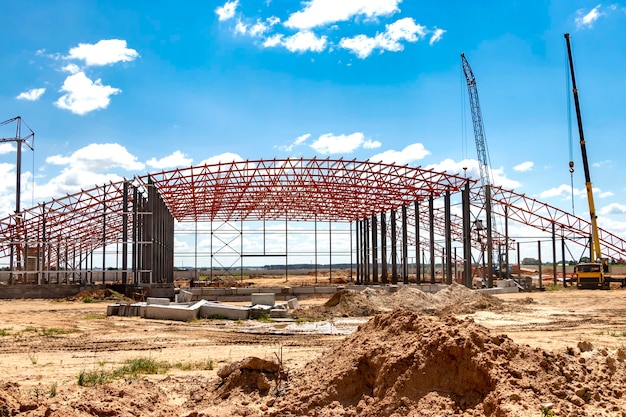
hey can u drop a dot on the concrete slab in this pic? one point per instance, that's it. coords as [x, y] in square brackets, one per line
[293, 303]
[179, 312]
[268, 299]
[259, 310]
[158, 301]
[210, 309]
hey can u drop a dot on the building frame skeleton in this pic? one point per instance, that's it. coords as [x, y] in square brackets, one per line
[133, 221]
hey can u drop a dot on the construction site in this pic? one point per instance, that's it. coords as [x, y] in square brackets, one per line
[319, 287]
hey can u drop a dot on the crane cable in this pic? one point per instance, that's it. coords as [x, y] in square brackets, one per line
[569, 130]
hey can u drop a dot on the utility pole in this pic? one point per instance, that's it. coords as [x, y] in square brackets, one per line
[29, 140]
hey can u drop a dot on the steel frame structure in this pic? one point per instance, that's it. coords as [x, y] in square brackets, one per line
[138, 215]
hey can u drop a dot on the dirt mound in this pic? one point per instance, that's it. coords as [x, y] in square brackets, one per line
[87, 296]
[403, 363]
[454, 299]
[249, 375]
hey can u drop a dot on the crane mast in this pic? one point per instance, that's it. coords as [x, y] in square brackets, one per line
[483, 163]
[596, 255]
[477, 121]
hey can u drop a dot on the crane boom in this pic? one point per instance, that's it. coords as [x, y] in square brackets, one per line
[477, 121]
[596, 255]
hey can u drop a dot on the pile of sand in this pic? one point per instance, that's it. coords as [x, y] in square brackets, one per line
[454, 299]
[97, 295]
[408, 364]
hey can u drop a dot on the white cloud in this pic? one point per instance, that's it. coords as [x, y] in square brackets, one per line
[6, 148]
[98, 157]
[436, 36]
[323, 12]
[299, 141]
[333, 144]
[71, 68]
[411, 153]
[84, 95]
[613, 208]
[469, 168]
[273, 41]
[227, 11]
[224, 158]
[31, 95]
[241, 28]
[562, 190]
[586, 20]
[371, 144]
[176, 159]
[88, 167]
[390, 40]
[304, 41]
[105, 52]
[7, 171]
[524, 166]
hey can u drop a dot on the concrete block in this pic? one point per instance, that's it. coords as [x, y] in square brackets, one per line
[293, 304]
[268, 299]
[185, 296]
[259, 310]
[245, 291]
[231, 312]
[179, 312]
[392, 288]
[325, 290]
[286, 290]
[113, 310]
[278, 313]
[158, 301]
[304, 290]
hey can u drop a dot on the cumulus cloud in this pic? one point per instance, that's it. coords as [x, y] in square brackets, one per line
[613, 208]
[33, 94]
[176, 159]
[587, 19]
[323, 12]
[224, 158]
[436, 36]
[99, 157]
[71, 68]
[105, 52]
[469, 168]
[6, 148]
[299, 141]
[524, 166]
[329, 143]
[92, 165]
[390, 40]
[301, 42]
[84, 95]
[227, 11]
[371, 144]
[562, 190]
[410, 154]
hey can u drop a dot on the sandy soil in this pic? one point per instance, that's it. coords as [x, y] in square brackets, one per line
[580, 336]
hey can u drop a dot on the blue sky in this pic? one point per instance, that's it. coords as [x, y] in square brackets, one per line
[118, 88]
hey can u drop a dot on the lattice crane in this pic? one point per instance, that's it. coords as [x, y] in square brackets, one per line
[477, 121]
[483, 159]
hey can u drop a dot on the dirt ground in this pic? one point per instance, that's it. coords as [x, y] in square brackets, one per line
[457, 353]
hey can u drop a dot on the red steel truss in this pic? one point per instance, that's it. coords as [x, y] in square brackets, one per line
[292, 189]
[297, 189]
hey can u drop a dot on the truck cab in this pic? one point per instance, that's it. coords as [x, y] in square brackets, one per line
[590, 275]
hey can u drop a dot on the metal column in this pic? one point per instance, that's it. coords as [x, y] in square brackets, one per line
[448, 237]
[394, 255]
[431, 215]
[405, 248]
